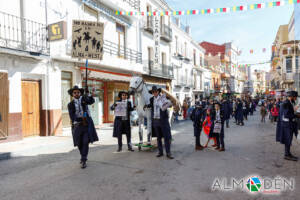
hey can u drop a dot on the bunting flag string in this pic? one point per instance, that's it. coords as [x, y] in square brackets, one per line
[270, 4]
[239, 65]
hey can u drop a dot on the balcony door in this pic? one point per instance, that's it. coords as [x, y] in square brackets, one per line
[150, 58]
[163, 62]
[121, 40]
[149, 18]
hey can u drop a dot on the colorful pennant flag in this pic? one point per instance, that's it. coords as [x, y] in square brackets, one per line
[270, 4]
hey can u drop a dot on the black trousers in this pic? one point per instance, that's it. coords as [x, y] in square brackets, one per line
[287, 145]
[128, 136]
[157, 127]
[197, 140]
[220, 139]
[120, 143]
[83, 145]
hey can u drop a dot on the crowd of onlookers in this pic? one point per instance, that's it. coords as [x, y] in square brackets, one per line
[270, 107]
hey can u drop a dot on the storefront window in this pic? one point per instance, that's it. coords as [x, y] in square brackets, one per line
[66, 84]
[97, 109]
[288, 64]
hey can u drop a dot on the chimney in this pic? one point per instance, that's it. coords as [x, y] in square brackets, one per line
[177, 22]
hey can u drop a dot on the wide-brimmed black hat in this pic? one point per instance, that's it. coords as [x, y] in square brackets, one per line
[123, 92]
[154, 88]
[70, 91]
[292, 94]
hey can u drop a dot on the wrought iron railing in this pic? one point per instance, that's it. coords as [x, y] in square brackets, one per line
[134, 3]
[122, 52]
[180, 80]
[23, 34]
[148, 24]
[164, 71]
[166, 32]
[112, 48]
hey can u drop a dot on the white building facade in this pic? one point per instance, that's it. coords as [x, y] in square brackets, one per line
[36, 73]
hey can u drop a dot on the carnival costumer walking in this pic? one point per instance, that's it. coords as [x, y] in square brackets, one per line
[160, 121]
[83, 129]
[122, 123]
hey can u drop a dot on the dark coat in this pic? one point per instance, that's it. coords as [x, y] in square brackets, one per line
[118, 128]
[86, 100]
[213, 120]
[164, 120]
[226, 109]
[285, 129]
[239, 111]
[197, 117]
[245, 108]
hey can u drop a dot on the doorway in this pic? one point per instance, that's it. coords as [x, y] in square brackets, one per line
[31, 108]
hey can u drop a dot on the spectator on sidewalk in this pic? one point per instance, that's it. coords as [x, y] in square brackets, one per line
[263, 113]
[207, 127]
[274, 112]
[197, 117]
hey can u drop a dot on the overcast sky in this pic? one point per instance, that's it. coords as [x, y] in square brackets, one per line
[252, 29]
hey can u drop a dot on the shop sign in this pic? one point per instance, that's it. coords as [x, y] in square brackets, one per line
[156, 34]
[57, 31]
[87, 39]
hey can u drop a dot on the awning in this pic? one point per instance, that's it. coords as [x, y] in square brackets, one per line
[106, 75]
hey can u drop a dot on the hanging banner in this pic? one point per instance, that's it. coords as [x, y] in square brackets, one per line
[87, 39]
[156, 34]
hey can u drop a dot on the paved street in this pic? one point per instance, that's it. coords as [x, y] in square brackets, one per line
[140, 175]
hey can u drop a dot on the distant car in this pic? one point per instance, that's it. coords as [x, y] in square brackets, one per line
[134, 118]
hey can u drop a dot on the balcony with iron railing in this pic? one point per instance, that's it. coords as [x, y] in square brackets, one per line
[23, 35]
[113, 49]
[163, 71]
[190, 83]
[133, 3]
[180, 81]
[166, 33]
[288, 77]
[148, 24]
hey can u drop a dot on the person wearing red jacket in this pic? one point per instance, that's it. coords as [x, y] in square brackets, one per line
[275, 112]
[207, 125]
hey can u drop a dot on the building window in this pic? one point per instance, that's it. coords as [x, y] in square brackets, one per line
[297, 63]
[194, 56]
[121, 40]
[66, 84]
[150, 53]
[163, 58]
[185, 49]
[288, 62]
[90, 13]
[176, 45]
[186, 76]
[201, 64]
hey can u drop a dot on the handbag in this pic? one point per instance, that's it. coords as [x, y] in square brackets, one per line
[217, 127]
